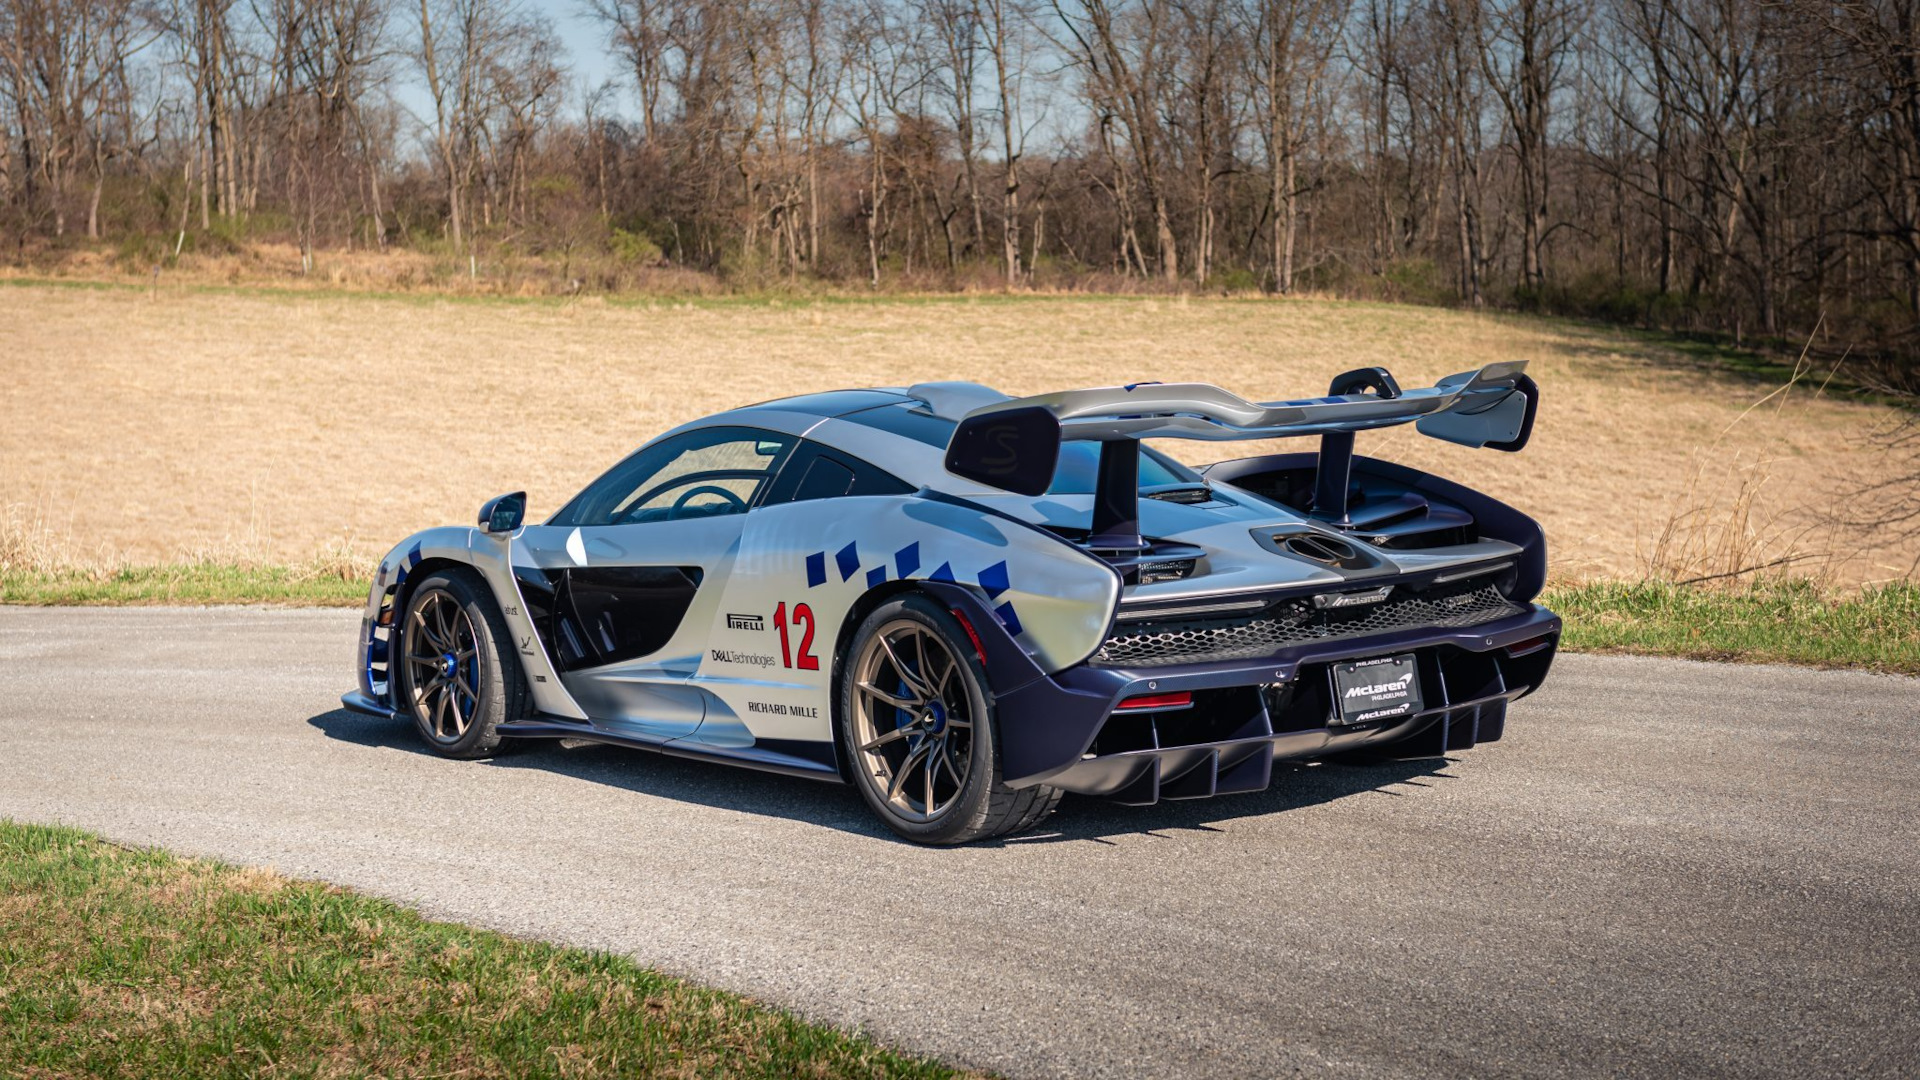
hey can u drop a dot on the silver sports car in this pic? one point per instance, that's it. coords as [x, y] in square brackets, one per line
[966, 604]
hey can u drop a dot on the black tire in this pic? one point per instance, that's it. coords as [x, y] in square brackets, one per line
[457, 712]
[954, 797]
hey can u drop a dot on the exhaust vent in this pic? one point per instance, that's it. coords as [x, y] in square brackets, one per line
[1332, 551]
[1321, 547]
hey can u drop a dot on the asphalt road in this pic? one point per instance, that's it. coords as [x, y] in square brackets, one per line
[1665, 869]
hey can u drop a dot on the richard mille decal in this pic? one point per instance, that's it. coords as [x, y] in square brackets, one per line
[777, 708]
[750, 659]
[746, 622]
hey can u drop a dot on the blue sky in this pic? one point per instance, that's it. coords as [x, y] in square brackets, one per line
[586, 40]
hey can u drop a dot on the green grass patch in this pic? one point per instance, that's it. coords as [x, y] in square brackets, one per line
[1788, 622]
[186, 583]
[118, 962]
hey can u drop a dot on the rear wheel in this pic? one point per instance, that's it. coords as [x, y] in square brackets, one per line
[917, 730]
[454, 678]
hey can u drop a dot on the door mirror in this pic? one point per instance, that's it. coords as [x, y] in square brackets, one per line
[503, 513]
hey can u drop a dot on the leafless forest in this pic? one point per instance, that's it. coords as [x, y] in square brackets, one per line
[1751, 168]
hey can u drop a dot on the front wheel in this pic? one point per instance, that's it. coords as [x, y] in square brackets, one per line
[454, 677]
[917, 729]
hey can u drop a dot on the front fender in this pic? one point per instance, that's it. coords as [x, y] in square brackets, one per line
[488, 554]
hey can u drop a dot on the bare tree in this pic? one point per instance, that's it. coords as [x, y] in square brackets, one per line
[1297, 40]
[1122, 49]
[1523, 54]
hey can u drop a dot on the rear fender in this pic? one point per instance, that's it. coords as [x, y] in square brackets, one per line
[805, 569]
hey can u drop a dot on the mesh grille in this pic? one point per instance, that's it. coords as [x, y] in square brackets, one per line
[1295, 622]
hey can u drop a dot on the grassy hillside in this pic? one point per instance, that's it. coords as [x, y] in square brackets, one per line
[232, 426]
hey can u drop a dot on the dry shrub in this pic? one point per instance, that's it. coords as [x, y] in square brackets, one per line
[30, 544]
[1718, 534]
[337, 561]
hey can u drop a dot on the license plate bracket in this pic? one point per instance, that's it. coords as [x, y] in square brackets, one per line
[1375, 689]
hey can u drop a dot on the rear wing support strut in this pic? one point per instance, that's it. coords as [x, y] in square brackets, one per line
[1116, 498]
[1334, 472]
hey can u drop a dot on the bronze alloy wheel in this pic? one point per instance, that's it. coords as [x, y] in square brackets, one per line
[917, 729]
[443, 669]
[912, 720]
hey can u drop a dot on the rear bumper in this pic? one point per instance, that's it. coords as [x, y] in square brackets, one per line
[1062, 729]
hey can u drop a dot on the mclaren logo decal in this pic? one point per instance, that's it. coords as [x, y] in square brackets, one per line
[1352, 599]
[1395, 686]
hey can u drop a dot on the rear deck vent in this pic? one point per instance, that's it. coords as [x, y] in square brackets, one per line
[1321, 549]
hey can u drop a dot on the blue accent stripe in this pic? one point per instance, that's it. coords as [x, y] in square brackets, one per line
[907, 560]
[876, 576]
[994, 579]
[848, 560]
[1008, 619]
[944, 573]
[816, 569]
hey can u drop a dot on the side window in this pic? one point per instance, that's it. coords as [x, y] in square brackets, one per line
[825, 479]
[703, 473]
[819, 473]
[869, 480]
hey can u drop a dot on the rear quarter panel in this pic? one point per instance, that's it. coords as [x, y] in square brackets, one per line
[803, 569]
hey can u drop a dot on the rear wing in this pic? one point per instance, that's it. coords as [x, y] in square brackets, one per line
[1015, 445]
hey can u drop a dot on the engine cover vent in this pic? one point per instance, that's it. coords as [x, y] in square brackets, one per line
[1329, 550]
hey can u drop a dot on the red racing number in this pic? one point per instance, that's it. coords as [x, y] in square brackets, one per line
[802, 616]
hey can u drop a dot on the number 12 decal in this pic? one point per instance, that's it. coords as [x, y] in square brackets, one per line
[802, 615]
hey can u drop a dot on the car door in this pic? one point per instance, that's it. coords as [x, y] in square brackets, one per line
[623, 582]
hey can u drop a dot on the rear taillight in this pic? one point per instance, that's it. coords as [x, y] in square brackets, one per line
[1532, 644]
[1144, 702]
[966, 624]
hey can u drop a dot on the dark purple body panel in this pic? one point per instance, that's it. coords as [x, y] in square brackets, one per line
[1060, 729]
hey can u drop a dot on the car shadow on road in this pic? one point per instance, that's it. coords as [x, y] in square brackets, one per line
[837, 806]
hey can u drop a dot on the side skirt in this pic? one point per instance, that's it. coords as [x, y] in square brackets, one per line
[813, 761]
[784, 760]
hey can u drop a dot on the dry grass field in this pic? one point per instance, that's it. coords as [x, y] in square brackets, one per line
[153, 426]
